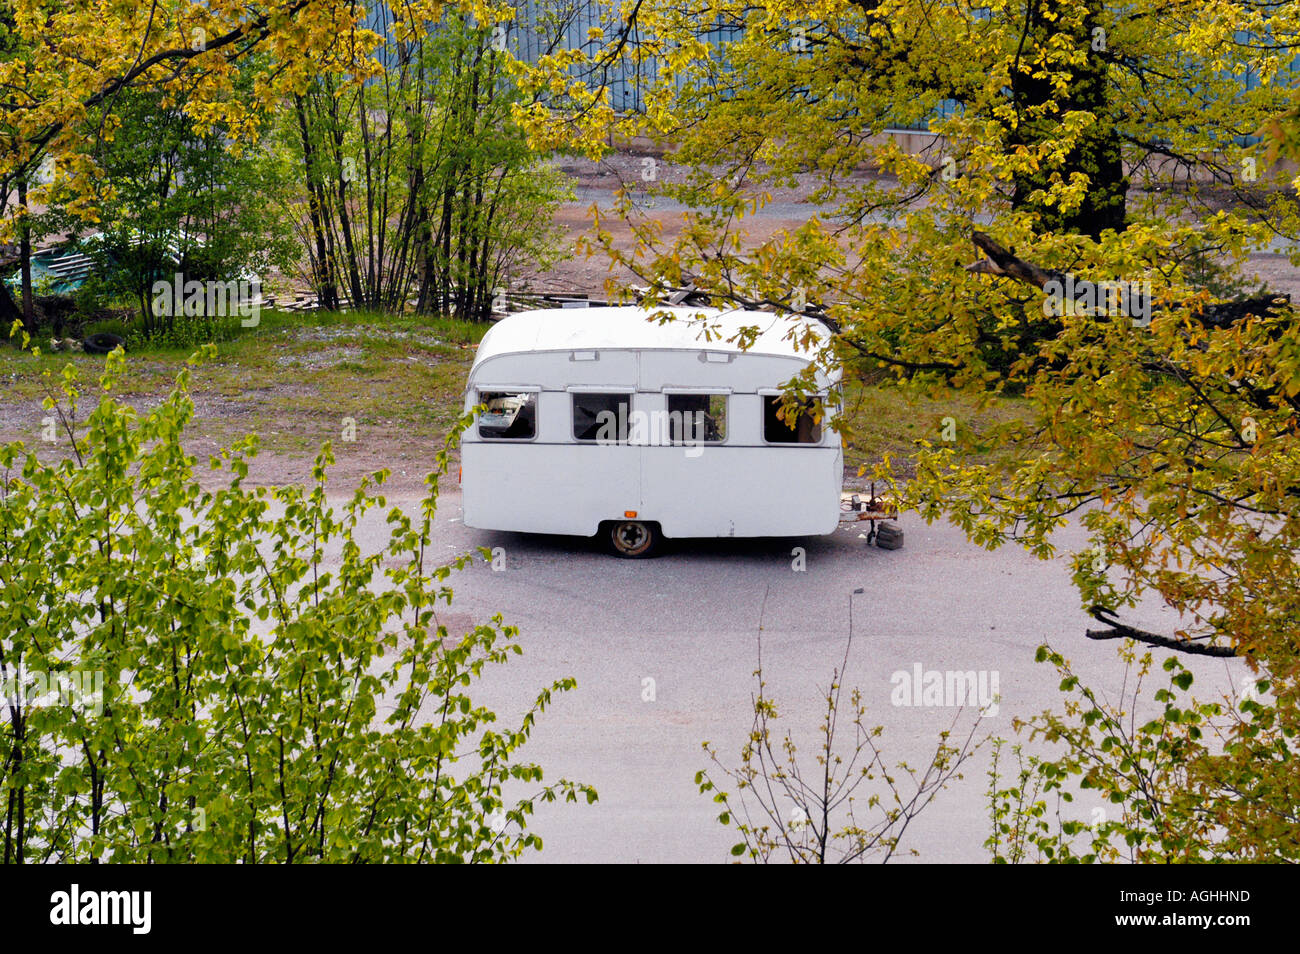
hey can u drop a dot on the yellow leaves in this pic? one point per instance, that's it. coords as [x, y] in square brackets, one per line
[87, 46]
[1100, 423]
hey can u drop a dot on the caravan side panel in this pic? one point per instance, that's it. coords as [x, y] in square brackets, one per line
[742, 491]
[548, 488]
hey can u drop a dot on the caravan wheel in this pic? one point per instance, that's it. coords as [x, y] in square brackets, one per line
[633, 538]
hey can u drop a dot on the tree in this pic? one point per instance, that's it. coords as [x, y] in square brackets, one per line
[1088, 160]
[11, 50]
[185, 680]
[850, 807]
[419, 187]
[173, 202]
[57, 109]
[59, 95]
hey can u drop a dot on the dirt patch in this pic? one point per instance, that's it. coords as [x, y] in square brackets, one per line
[789, 208]
[1276, 273]
[320, 360]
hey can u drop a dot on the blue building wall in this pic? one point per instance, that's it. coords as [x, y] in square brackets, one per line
[567, 26]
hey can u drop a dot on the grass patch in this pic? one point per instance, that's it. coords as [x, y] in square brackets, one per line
[293, 378]
[889, 417]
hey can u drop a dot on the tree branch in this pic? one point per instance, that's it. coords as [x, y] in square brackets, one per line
[1006, 264]
[1120, 630]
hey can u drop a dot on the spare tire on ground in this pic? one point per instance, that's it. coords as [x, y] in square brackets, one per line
[101, 342]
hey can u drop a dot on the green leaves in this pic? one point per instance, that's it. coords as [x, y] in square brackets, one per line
[303, 714]
[1171, 434]
[843, 806]
[1188, 782]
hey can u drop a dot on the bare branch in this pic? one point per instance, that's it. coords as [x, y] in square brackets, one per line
[1120, 630]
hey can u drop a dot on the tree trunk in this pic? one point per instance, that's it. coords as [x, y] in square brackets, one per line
[321, 266]
[1096, 152]
[25, 260]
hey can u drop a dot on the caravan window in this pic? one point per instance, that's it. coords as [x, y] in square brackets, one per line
[697, 418]
[601, 417]
[776, 430]
[510, 415]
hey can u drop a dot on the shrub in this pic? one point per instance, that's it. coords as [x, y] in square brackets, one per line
[248, 702]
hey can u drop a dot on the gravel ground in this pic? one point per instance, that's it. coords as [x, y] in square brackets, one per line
[595, 182]
[664, 652]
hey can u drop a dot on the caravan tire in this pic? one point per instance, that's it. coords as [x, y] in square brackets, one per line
[633, 539]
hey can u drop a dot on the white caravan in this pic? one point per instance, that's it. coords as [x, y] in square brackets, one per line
[602, 421]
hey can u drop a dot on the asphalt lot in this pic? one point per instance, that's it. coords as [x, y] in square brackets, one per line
[690, 620]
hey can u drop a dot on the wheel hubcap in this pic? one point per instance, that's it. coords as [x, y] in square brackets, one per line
[631, 537]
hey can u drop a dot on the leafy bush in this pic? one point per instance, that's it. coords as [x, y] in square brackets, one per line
[186, 332]
[250, 703]
[1179, 780]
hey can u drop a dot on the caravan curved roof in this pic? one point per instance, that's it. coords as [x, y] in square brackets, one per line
[628, 328]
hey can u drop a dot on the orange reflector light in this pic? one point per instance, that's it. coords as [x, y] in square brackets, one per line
[629, 513]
